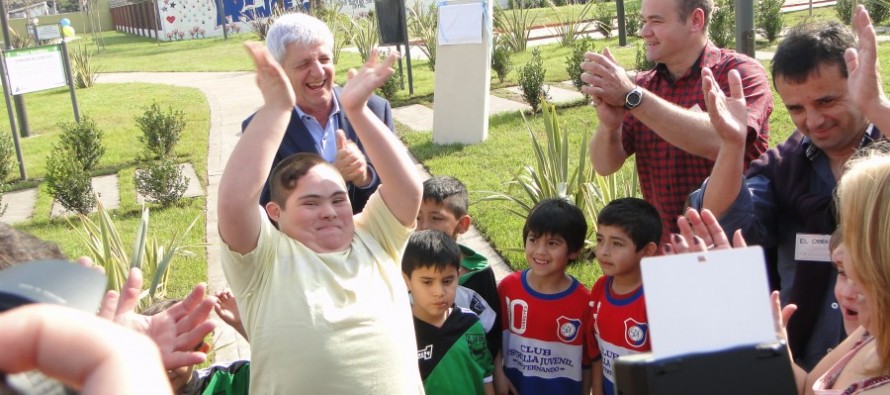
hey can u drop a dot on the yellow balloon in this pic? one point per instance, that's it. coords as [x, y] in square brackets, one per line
[67, 31]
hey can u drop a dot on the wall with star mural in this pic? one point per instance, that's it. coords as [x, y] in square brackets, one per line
[188, 19]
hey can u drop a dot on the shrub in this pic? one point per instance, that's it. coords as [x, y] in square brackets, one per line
[160, 131]
[844, 10]
[162, 182]
[722, 26]
[83, 70]
[424, 25]
[769, 18]
[642, 63]
[515, 24]
[392, 85]
[878, 10]
[632, 21]
[84, 141]
[500, 58]
[67, 182]
[531, 80]
[574, 60]
[602, 16]
[7, 156]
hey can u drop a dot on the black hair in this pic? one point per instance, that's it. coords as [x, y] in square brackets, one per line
[430, 248]
[638, 218]
[557, 216]
[447, 190]
[807, 47]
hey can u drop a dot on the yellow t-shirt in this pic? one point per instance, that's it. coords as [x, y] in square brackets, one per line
[329, 323]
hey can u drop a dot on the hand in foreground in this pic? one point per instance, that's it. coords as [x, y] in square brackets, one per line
[176, 331]
[81, 350]
[705, 233]
[351, 162]
[270, 78]
[729, 115]
[361, 83]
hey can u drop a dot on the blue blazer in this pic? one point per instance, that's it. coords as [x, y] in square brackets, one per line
[297, 139]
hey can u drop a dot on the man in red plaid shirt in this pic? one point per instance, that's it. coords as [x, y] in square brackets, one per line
[660, 115]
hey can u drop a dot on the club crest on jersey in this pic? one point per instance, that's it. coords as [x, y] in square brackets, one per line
[635, 333]
[568, 328]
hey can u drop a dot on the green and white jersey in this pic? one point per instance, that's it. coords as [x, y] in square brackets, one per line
[453, 359]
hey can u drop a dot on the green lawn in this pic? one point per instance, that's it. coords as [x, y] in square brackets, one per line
[113, 107]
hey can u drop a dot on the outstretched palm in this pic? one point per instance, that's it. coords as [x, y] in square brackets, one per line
[361, 83]
[727, 114]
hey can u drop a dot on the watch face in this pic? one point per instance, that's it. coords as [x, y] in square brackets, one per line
[633, 99]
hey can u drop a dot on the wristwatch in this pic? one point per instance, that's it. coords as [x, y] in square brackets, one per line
[633, 98]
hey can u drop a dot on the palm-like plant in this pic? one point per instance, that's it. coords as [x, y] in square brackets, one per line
[424, 24]
[515, 24]
[107, 250]
[569, 25]
[555, 175]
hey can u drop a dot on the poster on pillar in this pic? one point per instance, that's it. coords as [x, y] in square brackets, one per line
[460, 24]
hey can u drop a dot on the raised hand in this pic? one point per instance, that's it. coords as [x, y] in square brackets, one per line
[863, 68]
[605, 79]
[728, 114]
[176, 331]
[227, 309]
[361, 83]
[351, 162]
[270, 78]
[704, 232]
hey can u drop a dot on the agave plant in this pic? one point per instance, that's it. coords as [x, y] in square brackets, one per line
[554, 175]
[515, 24]
[148, 254]
[569, 25]
[423, 22]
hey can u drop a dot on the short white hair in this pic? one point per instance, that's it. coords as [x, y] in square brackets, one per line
[297, 28]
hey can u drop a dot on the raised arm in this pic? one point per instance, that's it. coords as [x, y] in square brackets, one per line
[727, 115]
[864, 72]
[400, 185]
[607, 153]
[248, 166]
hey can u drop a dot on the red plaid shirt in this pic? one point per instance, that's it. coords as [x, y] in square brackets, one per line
[667, 173]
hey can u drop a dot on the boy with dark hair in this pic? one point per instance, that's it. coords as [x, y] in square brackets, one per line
[451, 347]
[444, 208]
[628, 230]
[545, 308]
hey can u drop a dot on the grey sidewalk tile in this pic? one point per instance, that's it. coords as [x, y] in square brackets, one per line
[417, 117]
[19, 205]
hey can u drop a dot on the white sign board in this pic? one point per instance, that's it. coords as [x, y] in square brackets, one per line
[35, 69]
[705, 302]
[48, 32]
